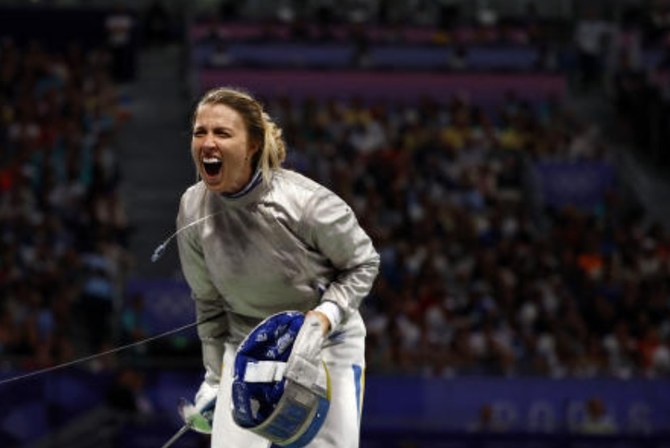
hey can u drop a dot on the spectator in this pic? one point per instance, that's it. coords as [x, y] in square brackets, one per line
[487, 421]
[120, 28]
[591, 33]
[597, 421]
[481, 283]
[57, 154]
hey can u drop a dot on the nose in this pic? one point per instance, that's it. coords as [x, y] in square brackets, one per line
[208, 140]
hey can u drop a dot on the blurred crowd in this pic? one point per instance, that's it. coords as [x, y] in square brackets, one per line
[478, 275]
[63, 224]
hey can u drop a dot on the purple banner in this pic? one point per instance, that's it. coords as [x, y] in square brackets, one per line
[341, 56]
[395, 405]
[481, 88]
[580, 184]
[166, 304]
[518, 404]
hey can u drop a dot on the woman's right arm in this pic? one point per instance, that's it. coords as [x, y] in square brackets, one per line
[209, 304]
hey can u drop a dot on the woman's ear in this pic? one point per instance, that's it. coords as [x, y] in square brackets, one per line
[253, 149]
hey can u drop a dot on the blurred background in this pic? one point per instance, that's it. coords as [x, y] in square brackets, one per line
[509, 158]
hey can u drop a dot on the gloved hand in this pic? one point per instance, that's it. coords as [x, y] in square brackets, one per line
[305, 364]
[199, 416]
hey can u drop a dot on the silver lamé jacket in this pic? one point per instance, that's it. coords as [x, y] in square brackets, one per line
[286, 245]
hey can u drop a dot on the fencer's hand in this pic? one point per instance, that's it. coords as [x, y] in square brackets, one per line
[199, 416]
[325, 322]
[304, 365]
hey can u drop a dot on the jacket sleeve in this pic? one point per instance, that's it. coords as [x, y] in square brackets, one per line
[330, 226]
[209, 305]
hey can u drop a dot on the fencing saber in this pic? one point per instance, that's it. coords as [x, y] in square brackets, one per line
[183, 430]
[196, 421]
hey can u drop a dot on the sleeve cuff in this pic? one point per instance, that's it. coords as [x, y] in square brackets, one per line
[332, 312]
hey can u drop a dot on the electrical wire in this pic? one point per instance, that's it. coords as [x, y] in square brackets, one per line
[107, 352]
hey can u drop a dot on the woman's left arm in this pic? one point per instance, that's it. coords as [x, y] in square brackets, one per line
[331, 227]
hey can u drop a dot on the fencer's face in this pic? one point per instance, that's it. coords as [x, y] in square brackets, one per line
[221, 148]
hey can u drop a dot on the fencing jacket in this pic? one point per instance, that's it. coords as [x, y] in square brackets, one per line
[284, 245]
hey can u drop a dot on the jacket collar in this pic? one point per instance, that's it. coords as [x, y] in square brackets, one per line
[251, 192]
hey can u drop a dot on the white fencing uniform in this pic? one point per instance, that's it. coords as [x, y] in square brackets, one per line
[289, 245]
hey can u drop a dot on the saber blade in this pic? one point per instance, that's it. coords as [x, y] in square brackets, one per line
[183, 430]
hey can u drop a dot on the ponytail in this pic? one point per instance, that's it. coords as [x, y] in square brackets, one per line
[273, 152]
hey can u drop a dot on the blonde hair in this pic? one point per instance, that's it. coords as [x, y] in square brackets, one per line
[261, 129]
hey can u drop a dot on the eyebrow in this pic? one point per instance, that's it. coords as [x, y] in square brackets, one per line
[214, 128]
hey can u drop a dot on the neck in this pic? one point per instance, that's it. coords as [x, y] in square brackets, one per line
[254, 179]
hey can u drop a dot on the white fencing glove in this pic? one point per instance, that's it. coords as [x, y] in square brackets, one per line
[199, 416]
[305, 366]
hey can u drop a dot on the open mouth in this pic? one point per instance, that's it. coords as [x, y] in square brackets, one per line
[212, 165]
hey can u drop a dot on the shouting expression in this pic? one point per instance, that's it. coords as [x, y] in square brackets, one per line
[221, 148]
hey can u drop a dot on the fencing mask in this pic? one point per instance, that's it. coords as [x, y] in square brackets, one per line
[279, 392]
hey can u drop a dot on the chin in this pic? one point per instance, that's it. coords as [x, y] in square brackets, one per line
[215, 188]
[214, 185]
